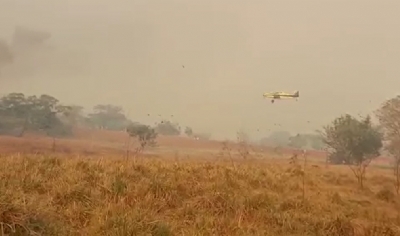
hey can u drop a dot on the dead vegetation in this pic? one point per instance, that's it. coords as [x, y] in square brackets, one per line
[44, 195]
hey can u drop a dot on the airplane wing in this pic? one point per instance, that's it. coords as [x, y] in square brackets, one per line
[269, 95]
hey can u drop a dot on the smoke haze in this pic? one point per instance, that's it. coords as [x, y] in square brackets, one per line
[342, 56]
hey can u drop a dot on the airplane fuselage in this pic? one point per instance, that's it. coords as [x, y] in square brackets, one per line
[281, 95]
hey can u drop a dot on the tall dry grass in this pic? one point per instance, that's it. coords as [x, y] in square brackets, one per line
[44, 195]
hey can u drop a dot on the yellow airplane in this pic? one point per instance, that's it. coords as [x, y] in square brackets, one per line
[281, 95]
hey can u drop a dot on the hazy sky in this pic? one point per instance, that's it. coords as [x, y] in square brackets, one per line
[343, 56]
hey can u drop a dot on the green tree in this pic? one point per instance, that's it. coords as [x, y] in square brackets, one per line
[316, 142]
[144, 134]
[74, 115]
[15, 105]
[353, 142]
[189, 131]
[109, 117]
[15, 109]
[298, 141]
[389, 119]
[166, 127]
[33, 113]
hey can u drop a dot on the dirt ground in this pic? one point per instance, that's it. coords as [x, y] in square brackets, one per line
[89, 142]
[89, 188]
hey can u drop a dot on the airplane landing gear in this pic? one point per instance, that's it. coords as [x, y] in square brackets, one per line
[272, 101]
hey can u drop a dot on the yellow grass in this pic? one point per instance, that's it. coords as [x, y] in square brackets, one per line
[46, 195]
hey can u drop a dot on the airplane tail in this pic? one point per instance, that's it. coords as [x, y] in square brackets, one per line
[297, 94]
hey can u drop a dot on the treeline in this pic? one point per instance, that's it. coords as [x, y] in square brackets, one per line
[45, 114]
[287, 140]
[357, 141]
[349, 139]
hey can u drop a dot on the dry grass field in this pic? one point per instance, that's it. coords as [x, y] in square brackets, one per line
[88, 187]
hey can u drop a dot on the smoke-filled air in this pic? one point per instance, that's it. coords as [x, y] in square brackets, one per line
[200, 117]
[342, 56]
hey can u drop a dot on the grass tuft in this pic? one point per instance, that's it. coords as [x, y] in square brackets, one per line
[47, 195]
